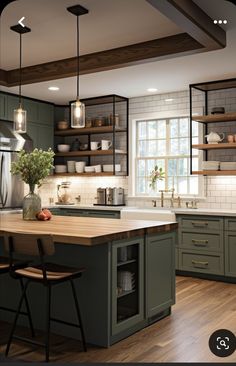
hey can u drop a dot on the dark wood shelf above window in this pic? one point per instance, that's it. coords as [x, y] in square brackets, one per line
[214, 172]
[222, 145]
[90, 153]
[211, 118]
[89, 131]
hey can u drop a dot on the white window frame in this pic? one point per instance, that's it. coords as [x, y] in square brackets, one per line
[132, 154]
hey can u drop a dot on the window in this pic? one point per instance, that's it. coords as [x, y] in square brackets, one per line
[165, 142]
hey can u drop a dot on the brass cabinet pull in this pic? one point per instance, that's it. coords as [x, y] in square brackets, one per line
[199, 243]
[199, 223]
[200, 263]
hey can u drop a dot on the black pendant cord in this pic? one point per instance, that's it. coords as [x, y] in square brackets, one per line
[78, 58]
[20, 74]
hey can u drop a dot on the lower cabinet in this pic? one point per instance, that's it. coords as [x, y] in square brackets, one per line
[143, 281]
[127, 284]
[212, 263]
[207, 244]
[160, 274]
[230, 253]
[85, 213]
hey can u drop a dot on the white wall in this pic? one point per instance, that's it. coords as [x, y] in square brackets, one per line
[220, 191]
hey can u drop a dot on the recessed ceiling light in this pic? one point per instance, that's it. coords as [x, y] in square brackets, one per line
[169, 100]
[54, 88]
[152, 90]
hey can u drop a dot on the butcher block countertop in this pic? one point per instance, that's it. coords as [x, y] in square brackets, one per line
[84, 230]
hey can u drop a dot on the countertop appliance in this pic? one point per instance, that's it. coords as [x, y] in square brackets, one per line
[11, 186]
[115, 196]
[110, 197]
[101, 196]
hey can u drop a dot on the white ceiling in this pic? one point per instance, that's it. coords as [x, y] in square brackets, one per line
[166, 75]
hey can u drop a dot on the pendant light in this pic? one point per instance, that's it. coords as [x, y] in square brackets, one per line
[20, 115]
[77, 108]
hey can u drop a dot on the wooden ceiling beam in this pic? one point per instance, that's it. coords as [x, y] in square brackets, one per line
[106, 60]
[3, 78]
[192, 20]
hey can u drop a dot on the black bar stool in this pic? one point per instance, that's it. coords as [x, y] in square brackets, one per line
[5, 268]
[46, 274]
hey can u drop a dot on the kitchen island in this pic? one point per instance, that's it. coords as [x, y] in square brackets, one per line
[111, 250]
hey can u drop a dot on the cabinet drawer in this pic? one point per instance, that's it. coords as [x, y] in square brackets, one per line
[230, 224]
[203, 242]
[201, 223]
[203, 263]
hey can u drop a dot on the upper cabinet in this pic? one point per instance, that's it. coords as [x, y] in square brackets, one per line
[217, 99]
[3, 106]
[40, 118]
[104, 140]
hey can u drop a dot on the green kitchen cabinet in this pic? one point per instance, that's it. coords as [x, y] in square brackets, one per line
[31, 107]
[45, 113]
[104, 214]
[86, 213]
[230, 253]
[3, 106]
[160, 273]
[12, 104]
[127, 303]
[42, 136]
[45, 137]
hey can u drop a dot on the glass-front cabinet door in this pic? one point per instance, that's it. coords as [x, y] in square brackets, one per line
[127, 284]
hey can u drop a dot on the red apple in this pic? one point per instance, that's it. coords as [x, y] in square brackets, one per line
[47, 213]
[41, 216]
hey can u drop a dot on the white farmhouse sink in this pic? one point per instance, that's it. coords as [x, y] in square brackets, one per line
[147, 214]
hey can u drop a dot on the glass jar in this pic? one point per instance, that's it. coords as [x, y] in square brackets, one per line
[31, 204]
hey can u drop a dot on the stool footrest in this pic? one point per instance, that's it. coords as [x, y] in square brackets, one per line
[65, 322]
[12, 310]
[27, 340]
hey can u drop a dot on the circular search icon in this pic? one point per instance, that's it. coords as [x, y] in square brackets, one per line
[222, 343]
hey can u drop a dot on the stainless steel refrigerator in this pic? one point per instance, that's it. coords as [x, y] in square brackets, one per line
[11, 186]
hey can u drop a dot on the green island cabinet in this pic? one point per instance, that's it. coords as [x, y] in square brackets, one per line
[151, 262]
[110, 312]
[40, 118]
[207, 245]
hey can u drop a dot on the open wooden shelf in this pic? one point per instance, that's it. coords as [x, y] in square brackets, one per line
[221, 145]
[102, 174]
[88, 131]
[223, 117]
[214, 172]
[90, 153]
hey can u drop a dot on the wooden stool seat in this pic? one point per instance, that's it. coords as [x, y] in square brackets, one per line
[54, 272]
[5, 264]
[46, 274]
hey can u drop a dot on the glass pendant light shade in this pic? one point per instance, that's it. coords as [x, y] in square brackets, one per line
[20, 118]
[77, 114]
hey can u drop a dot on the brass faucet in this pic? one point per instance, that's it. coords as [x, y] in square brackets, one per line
[172, 199]
[172, 190]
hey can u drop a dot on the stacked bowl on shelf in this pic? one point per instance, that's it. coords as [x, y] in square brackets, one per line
[217, 165]
[228, 165]
[210, 165]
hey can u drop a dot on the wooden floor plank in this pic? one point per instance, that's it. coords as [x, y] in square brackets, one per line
[202, 307]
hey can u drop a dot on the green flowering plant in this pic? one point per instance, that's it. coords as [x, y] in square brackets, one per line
[33, 167]
[156, 174]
